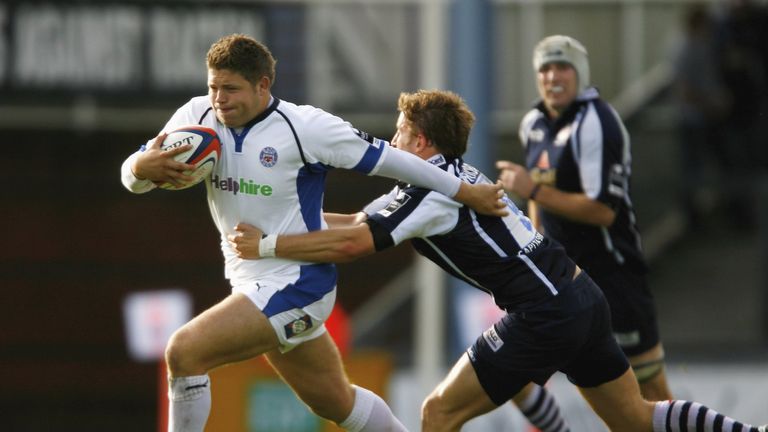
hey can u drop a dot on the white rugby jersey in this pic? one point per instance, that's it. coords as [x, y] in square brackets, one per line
[271, 173]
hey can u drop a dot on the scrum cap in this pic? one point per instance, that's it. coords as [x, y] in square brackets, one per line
[559, 48]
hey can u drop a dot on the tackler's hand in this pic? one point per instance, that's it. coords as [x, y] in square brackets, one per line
[246, 241]
[484, 198]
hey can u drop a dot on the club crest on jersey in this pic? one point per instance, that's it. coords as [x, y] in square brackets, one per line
[268, 157]
[298, 326]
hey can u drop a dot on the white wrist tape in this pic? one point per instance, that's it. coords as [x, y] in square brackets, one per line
[267, 246]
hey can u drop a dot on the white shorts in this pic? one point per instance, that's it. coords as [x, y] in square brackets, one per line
[296, 308]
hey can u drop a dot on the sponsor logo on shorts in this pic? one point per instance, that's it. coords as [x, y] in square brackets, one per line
[493, 339]
[298, 326]
[627, 339]
[268, 157]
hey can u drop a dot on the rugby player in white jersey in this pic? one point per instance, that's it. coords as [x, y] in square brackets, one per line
[557, 317]
[275, 156]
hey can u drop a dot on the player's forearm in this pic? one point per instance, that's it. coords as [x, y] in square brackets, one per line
[339, 220]
[401, 165]
[574, 206]
[331, 245]
[129, 179]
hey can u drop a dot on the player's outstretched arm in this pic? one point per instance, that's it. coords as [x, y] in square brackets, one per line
[483, 198]
[335, 245]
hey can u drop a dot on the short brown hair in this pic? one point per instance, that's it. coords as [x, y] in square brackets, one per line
[244, 55]
[441, 116]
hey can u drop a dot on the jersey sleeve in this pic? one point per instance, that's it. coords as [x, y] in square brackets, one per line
[380, 203]
[603, 155]
[334, 142]
[415, 212]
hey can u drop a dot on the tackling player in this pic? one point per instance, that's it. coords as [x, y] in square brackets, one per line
[557, 317]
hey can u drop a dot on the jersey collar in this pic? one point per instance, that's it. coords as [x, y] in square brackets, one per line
[273, 103]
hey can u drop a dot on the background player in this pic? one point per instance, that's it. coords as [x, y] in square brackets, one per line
[557, 318]
[276, 307]
[577, 179]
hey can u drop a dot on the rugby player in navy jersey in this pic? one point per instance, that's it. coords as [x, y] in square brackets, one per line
[557, 318]
[576, 180]
[277, 307]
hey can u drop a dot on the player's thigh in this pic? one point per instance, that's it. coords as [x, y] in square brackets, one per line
[230, 331]
[314, 370]
[619, 404]
[458, 398]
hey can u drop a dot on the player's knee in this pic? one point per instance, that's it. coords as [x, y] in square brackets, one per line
[178, 354]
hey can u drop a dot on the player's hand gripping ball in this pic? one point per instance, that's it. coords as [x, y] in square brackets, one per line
[204, 154]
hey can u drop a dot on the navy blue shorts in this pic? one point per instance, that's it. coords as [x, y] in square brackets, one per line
[570, 333]
[633, 311]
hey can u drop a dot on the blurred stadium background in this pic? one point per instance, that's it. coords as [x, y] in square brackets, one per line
[84, 83]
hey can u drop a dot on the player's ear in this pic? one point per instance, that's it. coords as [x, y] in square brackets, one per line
[263, 84]
[422, 142]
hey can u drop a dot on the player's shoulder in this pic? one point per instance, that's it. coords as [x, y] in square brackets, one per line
[302, 113]
[530, 117]
[312, 123]
[527, 124]
[196, 106]
[604, 114]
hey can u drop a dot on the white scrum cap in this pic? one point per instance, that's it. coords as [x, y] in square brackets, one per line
[559, 48]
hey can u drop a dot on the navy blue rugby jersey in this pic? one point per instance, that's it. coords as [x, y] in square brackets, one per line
[587, 150]
[505, 257]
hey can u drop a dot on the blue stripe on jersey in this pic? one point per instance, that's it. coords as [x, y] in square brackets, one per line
[310, 184]
[315, 281]
[538, 273]
[371, 157]
[484, 235]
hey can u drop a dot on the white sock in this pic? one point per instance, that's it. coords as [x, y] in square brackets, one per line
[190, 403]
[371, 414]
[683, 416]
[542, 411]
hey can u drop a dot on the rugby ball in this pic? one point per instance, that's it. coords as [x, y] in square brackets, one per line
[204, 154]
